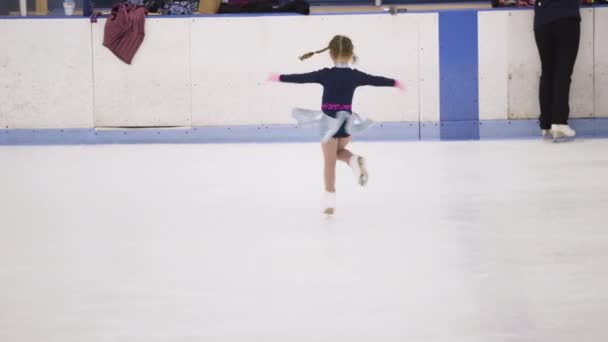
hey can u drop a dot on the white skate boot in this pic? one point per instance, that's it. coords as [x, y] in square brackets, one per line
[357, 163]
[562, 132]
[329, 203]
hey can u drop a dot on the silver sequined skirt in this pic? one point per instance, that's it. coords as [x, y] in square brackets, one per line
[328, 126]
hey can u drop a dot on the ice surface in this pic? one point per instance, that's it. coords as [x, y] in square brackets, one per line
[450, 242]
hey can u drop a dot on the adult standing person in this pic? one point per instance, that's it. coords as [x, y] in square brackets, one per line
[557, 29]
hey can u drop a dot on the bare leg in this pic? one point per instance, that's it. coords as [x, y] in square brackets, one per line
[330, 155]
[344, 154]
[359, 168]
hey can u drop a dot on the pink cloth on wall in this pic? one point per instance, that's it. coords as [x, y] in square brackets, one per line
[124, 31]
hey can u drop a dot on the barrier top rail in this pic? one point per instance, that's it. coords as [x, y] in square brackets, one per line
[79, 8]
[54, 9]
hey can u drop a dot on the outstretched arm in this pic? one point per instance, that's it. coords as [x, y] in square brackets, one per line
[376, 81]
[311, 77]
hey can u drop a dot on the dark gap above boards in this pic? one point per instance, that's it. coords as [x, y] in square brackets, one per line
[391, 2]
[12, 6]
[109, 3]
[104, 3]
[56, 6]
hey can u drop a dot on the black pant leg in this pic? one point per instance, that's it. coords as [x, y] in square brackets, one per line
[546, 48]
[568, 34]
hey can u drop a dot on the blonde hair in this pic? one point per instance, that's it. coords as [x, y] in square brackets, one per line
[339, 47]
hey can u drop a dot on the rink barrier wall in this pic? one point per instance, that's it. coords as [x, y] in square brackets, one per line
[209, 134]
[470, 75]
[490, 129]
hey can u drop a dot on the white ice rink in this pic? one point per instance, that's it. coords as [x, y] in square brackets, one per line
[450, 242]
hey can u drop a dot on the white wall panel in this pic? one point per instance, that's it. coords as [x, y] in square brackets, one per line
[523, 66]
[428, 33]
[581, 97]
[45, 73]
[229, 71]
[601, 62]
[387, 46]
[493, 38]
[155, 89]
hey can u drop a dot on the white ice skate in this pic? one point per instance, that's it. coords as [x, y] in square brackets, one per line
[329, 203]
[545, 133]
[562, 132]
[357, 163]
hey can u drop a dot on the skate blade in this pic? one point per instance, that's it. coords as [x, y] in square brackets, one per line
[561, 138]
[364, 176]
[363, 180]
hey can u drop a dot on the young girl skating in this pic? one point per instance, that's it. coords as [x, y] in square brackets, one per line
[337, 121]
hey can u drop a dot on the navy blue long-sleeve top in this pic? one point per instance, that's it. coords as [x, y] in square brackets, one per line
[549, 11]
[339, 85]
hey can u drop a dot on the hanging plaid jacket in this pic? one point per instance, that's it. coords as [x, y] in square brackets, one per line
[124, 31]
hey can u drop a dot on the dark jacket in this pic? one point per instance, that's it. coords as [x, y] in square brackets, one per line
[549, 11]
